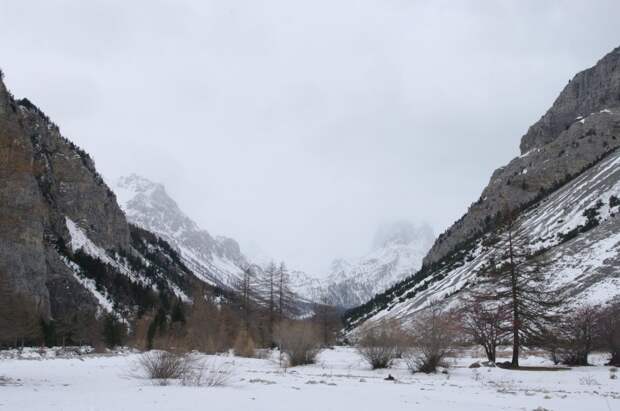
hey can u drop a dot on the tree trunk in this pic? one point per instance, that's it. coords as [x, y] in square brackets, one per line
[515, 305]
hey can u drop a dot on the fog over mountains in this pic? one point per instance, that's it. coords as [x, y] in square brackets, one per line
[397, 249]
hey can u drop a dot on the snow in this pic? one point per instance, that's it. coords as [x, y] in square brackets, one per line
[584, 265]
[339, 381]
[80, 241]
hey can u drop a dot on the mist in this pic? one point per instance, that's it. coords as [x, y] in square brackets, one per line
[299, 128]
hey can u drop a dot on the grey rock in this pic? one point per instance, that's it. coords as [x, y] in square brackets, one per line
[581, 128]
[45, 179]
[589, 91]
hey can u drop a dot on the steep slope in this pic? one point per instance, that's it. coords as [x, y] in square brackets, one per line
[576, 131]
[64, 242]
[398, 250]
[565, 189]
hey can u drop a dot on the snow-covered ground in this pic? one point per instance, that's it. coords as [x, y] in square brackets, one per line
[340, 381]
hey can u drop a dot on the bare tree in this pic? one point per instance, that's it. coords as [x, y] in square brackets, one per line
[609, 332]
[577, 335]
[434, 334]
[485, 323]
[247, 288]
[380, 344]
[515, 279]
[285, 296]
[269, 287]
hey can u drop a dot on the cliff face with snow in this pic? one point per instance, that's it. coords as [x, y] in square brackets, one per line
[397, 252]
[65, 244]
[564, 189]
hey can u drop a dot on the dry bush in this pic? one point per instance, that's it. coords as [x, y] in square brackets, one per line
[434, 334]
[207, 373]
[299, 340]
[380, 344]
[244, 345]
[164, 366]
[211, 328]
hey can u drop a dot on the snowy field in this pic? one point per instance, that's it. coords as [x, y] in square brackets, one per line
[340, 381]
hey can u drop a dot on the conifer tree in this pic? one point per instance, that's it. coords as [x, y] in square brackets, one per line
[515, 278]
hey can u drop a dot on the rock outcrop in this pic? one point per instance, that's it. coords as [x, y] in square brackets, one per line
[564, 190]
[582, 127]
[58, 219]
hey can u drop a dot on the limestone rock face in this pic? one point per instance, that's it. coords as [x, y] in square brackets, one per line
[48, 188]
[24, 215]
[589, 91]
[582, 127]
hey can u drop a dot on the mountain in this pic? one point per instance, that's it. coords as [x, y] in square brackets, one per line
[397, 252]
[215, 260]
[65, 244]
[564, 189]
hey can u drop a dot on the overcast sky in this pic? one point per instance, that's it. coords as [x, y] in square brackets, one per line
[298, 127]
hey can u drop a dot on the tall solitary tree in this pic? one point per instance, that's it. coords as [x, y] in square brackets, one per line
[515, 278]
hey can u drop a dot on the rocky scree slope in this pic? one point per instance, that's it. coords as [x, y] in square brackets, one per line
[64, 242]
[565, 189]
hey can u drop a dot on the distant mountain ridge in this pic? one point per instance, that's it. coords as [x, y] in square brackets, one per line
[217, 260]
[397, 252]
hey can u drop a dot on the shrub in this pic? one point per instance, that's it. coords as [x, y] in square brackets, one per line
[434, 334]
[244, 345]
[208, 373]
[380, 344]
[164, 366]
[300, 341]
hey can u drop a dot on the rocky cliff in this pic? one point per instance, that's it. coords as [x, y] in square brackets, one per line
[64, 241]
[579, 129]
[564, 189]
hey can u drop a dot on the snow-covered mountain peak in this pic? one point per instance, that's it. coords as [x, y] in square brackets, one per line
[214, 259]
[397, 252]
[148, 205]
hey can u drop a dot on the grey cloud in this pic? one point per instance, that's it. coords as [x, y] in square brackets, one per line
[301, 126]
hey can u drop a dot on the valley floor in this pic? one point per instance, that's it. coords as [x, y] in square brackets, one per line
[339, 381]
